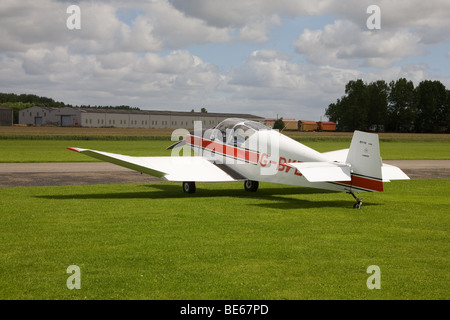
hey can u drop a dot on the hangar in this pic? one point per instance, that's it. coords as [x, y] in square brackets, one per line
[6, 116]
[123, 118]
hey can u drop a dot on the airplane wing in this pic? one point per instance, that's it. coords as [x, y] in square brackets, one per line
[179, 169]
[322, 171]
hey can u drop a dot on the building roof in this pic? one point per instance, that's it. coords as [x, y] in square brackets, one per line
[307, 122]
[157, 112]
[169, 113]
[274, 119]
[45, 108]
[327, 122]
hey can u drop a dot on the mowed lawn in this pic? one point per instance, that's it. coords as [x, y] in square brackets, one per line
[17, 150]
[154, 242]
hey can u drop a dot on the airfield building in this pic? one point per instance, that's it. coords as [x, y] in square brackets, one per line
[290, 124]
[305, 125]
[6, 116]
[123, 118]
[326, 126]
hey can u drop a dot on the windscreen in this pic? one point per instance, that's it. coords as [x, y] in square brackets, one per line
[232, 123]
[238, 130]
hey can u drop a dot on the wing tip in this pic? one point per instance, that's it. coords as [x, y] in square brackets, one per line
[73, 149]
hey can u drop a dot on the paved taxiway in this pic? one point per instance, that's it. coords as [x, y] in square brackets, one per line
[86, 173]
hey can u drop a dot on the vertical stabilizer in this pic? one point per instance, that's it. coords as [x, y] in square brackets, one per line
[365, 160]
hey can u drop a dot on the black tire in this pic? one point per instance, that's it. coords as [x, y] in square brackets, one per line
[189, 187]
[251, 185]
[357, 205]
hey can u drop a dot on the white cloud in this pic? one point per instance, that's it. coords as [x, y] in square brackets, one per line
[273, 83]
[138, 52]
[256, 30]
[237, 13]
[177, 30]
[343, 43]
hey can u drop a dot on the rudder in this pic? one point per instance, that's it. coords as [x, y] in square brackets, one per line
[365, 160]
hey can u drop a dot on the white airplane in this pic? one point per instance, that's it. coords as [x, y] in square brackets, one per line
[243, 150]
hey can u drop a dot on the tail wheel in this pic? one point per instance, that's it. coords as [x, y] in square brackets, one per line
[251, 185]
[358, 204]
[189, 187]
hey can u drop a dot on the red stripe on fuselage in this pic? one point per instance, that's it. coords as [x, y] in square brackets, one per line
[238, 153]
[365, 183]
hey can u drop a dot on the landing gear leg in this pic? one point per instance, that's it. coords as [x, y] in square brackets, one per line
[358, 203]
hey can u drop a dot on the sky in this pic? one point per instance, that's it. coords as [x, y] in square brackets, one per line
[284, 58]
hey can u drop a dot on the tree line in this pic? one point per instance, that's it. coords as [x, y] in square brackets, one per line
[394, 107]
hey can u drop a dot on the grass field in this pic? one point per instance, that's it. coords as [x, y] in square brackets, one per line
[47, 150]
[81, 133]
[154, 242]
[48, 144]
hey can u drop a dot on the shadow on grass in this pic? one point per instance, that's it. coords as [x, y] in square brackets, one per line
[276, 198]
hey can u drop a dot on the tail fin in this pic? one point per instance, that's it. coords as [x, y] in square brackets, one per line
[365, 160]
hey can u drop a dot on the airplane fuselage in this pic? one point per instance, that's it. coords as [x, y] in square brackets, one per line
[264, 160]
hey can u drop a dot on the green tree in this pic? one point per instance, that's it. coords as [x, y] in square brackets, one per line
[354, 106]
[447, 112]
[333, 112]
[432, 110]
[377, 104]
[279, 124]
[401, 111]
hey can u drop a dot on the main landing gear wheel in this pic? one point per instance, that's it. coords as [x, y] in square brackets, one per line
[251, 185]
[189, 187]
[358, 203]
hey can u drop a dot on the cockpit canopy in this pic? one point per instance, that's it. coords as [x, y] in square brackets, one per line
[235, 123]
[236, 130]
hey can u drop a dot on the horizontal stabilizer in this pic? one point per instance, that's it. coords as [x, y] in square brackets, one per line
[337, 155]
[392, 173]
[322, 171]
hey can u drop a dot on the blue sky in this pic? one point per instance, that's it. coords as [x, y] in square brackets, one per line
[290, 58]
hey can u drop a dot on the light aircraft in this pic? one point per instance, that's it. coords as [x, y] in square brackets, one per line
[244, 150]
